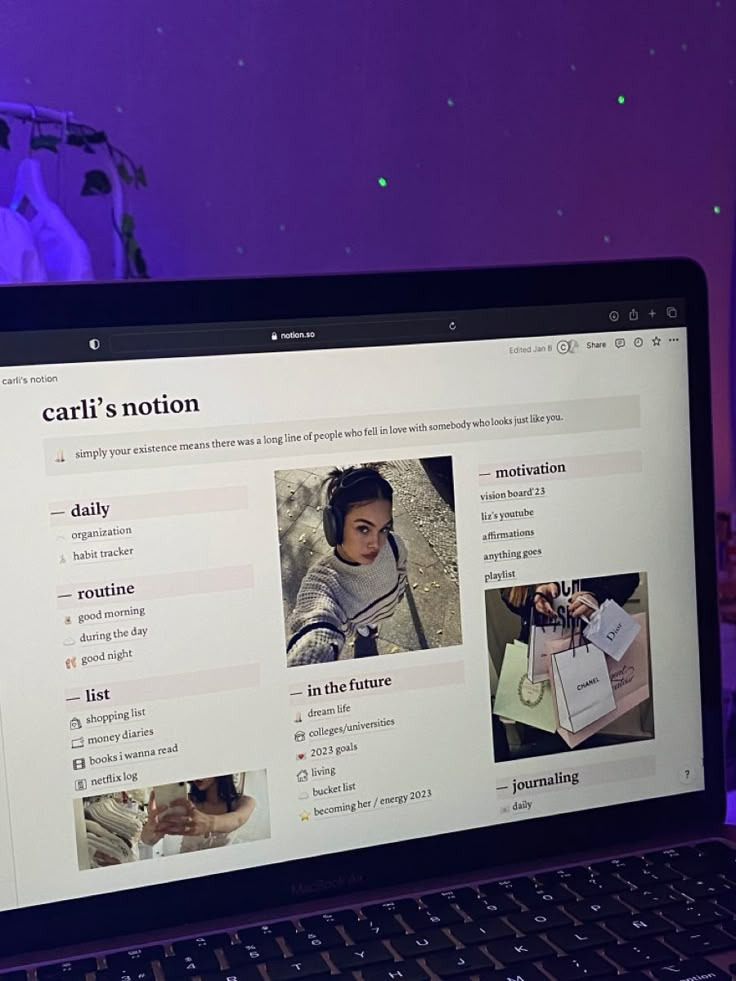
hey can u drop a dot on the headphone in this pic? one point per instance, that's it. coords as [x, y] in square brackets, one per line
[333, 516]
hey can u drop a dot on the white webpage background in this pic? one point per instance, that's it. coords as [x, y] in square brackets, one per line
[622, 523]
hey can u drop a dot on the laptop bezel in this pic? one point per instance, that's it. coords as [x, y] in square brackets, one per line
[159, 907]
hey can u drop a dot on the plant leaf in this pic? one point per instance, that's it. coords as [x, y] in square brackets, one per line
[127, 226]
[99, 136]
[75, 139]
[96, 182]
[140, 177]
[4, 135]
[45, 142]
[124, 174]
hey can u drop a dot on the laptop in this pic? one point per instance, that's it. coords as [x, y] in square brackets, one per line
[362, 625]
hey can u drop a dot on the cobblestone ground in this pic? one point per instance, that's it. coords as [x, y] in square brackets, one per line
[429, 614]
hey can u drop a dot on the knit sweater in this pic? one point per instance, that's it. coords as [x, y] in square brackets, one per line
[336, 597]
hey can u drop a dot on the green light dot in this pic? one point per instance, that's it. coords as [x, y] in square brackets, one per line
[621, 99]
[716, 209]
[382, 182]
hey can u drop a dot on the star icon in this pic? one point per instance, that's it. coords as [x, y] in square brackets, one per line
[304, 816]
[656, 341]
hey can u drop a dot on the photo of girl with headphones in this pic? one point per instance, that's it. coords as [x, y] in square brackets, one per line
[353, 597]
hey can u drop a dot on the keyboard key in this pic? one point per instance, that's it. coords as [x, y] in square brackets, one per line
[398, 971]
[284, 928]
[420, 944]
[706, 940]
[639, 925]
[597, 885]
[196, 944]
[205, 962]
[590, 910]
[481, 933]
[450, 964]
[687, 970]
[136, 972]
[538, 896]
[704, 888]
[239, 974]
[573, 938]
[693, 914]
[693, 868]
[616, 866]
[537, 921]
[485, 906]
[458, 896]
[264, 949]
[66, 969]
[426, 919]
[523, 972]
[641, 954]
[339, 917]
[665, 855]
[520, 949]
[393, 907]
[728, 901]
[322, 939]
[381, 928]
[129, 959]
[291, 968]
[644, 899]
[586, 964]
[359, 956]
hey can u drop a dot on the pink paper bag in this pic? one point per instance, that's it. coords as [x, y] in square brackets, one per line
[629, 680]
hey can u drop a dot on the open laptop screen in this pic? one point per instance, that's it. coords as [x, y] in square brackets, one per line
[290, 588]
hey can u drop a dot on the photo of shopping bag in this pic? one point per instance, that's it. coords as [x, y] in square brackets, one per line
[582, 687]
[546, 639]
[611, 629]
[517, 698]
[630, 683]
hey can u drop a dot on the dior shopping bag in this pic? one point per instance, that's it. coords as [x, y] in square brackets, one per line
[582, 686]
[519, 699]
[631, 687]
[611, 629]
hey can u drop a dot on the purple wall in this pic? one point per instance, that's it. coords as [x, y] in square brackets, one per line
[264, 126]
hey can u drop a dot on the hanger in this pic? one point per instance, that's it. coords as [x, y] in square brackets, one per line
[30, 195]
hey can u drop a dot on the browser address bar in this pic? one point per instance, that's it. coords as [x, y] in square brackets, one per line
[219, 338]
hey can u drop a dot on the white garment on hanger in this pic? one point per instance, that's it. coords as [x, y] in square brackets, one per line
[19, 258]
[64, 253]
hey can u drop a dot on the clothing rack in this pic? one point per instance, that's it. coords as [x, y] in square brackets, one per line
[28, 113]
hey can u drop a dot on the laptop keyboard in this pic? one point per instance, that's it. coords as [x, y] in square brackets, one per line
[653, 916]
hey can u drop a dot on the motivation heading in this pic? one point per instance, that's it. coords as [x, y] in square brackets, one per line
[94, 408]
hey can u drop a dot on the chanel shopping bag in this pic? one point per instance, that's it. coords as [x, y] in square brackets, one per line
[631, 688]
[517, 698]
[611, 629]
[582, 686]
[546, 638]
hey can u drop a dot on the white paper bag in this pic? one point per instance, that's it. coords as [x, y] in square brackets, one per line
[612, 630]
[546, 639]
[582, 687]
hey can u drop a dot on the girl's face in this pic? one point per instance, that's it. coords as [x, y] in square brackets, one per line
[366, 529]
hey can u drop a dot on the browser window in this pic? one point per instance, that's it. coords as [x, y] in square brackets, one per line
[340, 592]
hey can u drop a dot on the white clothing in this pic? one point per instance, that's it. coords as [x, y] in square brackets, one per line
[19, 258]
